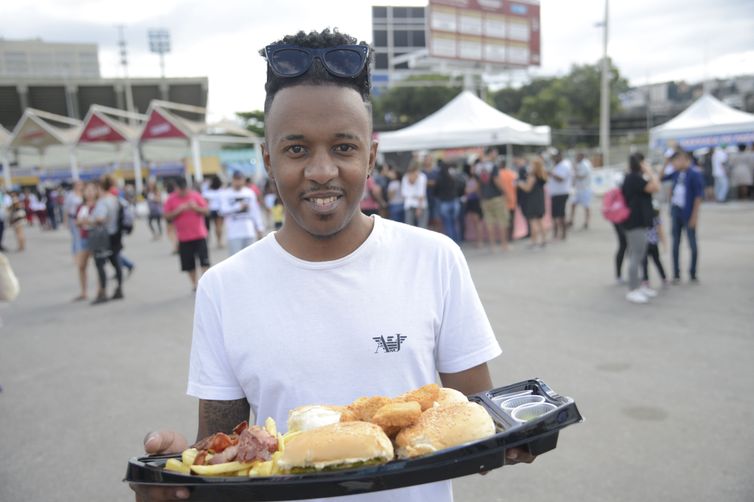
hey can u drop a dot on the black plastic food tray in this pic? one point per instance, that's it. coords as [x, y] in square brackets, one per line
[538, 436]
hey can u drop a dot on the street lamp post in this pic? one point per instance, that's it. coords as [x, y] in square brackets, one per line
[605, 96]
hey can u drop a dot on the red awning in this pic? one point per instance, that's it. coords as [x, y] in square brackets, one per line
[160, 127]
[97, 129]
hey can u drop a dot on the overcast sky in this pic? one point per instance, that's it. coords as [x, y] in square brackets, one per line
[650, 40]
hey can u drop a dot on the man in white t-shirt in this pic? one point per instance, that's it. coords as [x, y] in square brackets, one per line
[559, 186]
[582, 184]
[291, 320]
[720, 173]
[242, 215]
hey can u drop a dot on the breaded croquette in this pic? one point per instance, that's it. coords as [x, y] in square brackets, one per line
[364, 408]
[425, 396]
[397, 415]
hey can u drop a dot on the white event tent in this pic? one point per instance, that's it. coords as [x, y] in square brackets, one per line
[466, 121]
[707, 122]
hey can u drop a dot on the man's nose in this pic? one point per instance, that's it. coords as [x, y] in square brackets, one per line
[321, 168]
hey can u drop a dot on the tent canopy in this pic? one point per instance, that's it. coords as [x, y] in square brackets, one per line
[100, 126]
[465, 121]
[4, 136]
[707, 122]
[38, 129]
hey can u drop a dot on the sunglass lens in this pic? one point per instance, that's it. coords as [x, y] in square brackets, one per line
[290, 62]
[344, 62]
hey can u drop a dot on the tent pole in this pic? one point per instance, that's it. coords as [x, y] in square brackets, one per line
[74, 164]
[198, 177]
[6, 170]
[138, 184]
[509, 156]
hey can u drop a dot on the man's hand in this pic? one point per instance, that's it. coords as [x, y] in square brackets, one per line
[518, 456]
[158, 443]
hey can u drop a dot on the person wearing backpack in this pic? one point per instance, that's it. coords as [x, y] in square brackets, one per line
[105, 218]
[638, 186]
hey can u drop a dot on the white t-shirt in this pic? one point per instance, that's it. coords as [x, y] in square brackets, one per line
[719, 157]
[679, 192]
[583, 179]
[414, 194]
[563, 170]
[240, 223]
[283, 332]
[213, 198]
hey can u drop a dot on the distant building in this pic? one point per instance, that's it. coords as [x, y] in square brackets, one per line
[38, 59]
[396, 32]
[65, 79]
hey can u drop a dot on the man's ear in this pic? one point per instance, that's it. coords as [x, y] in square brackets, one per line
[372, 157]
[266, 160]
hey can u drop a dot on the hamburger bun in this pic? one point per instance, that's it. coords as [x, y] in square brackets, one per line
[337, 445]
[441, 427]
[450, 396]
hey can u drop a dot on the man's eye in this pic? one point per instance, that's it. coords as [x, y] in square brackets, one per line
[296, 149]
[344, 148]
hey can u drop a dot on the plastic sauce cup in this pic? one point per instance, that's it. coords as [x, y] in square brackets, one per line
[511, 404]
[531, 411]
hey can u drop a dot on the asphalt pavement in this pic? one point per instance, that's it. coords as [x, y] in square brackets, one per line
[665, 388]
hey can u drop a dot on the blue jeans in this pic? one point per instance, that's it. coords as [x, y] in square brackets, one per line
[449, 213]
[125, 262]
[396, 212]
[676, 214]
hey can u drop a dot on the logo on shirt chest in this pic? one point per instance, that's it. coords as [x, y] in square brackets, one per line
[391, 343]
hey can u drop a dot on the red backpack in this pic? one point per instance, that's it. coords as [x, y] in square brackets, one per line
[614, 207]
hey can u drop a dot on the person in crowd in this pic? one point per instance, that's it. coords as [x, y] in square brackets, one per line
[153, 196]
[685, 203]
[81, 218]
[372, 201]
[709, 180]
[51, 201]
[582, 184]
[655, 237]
[620, 253]
[431, 171]
[5, 203]
[414, 192]
[449, 204]
[508, 180]
[559, 185]
[720, 173]
[105, 215]
[395, 209]
[494, 207]
[742, 172]
[277, 213]
[522, 170]
[472, 207]
[169, 226]
[242, 215]
[638, 186]
[213, 196]
[534, 188]
[186, 209]
[126, 200]
[319, 142]
[71, 203]
[38, 208]
[16, 216]
[25, 198]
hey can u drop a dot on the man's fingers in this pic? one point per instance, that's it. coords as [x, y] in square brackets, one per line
[519, 455]
[160, 493]
[164, 442]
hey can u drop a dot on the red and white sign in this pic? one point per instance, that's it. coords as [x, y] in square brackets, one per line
[160, 127]
[503, 32]
[97, 130]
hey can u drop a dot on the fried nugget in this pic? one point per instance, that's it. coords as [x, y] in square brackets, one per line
[425, 396]
[364, 408]
[398, 415]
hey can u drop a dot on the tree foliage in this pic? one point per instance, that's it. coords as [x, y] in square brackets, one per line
[253, 121]
[403, 106]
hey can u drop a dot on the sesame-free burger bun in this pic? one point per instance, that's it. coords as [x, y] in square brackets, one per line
[444, 426]
[337, 444]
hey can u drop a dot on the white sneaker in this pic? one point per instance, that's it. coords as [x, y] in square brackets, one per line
[636, 296]
[648, 292]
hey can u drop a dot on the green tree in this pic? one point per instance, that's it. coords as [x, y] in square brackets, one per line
[253, 121]
[548, 107]
[407, 104]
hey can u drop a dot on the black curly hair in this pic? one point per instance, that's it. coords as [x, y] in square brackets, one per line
[317, 74]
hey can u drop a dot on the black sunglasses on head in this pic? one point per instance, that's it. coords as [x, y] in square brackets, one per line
[289, 61]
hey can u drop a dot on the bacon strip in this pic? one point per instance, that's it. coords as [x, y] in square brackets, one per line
[255, 443]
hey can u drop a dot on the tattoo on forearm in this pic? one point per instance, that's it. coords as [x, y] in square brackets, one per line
[221, 416]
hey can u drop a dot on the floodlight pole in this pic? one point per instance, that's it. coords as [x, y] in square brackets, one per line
[127, 82]
[605, 97]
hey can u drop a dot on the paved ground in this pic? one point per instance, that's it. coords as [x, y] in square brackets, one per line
[665, 388]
